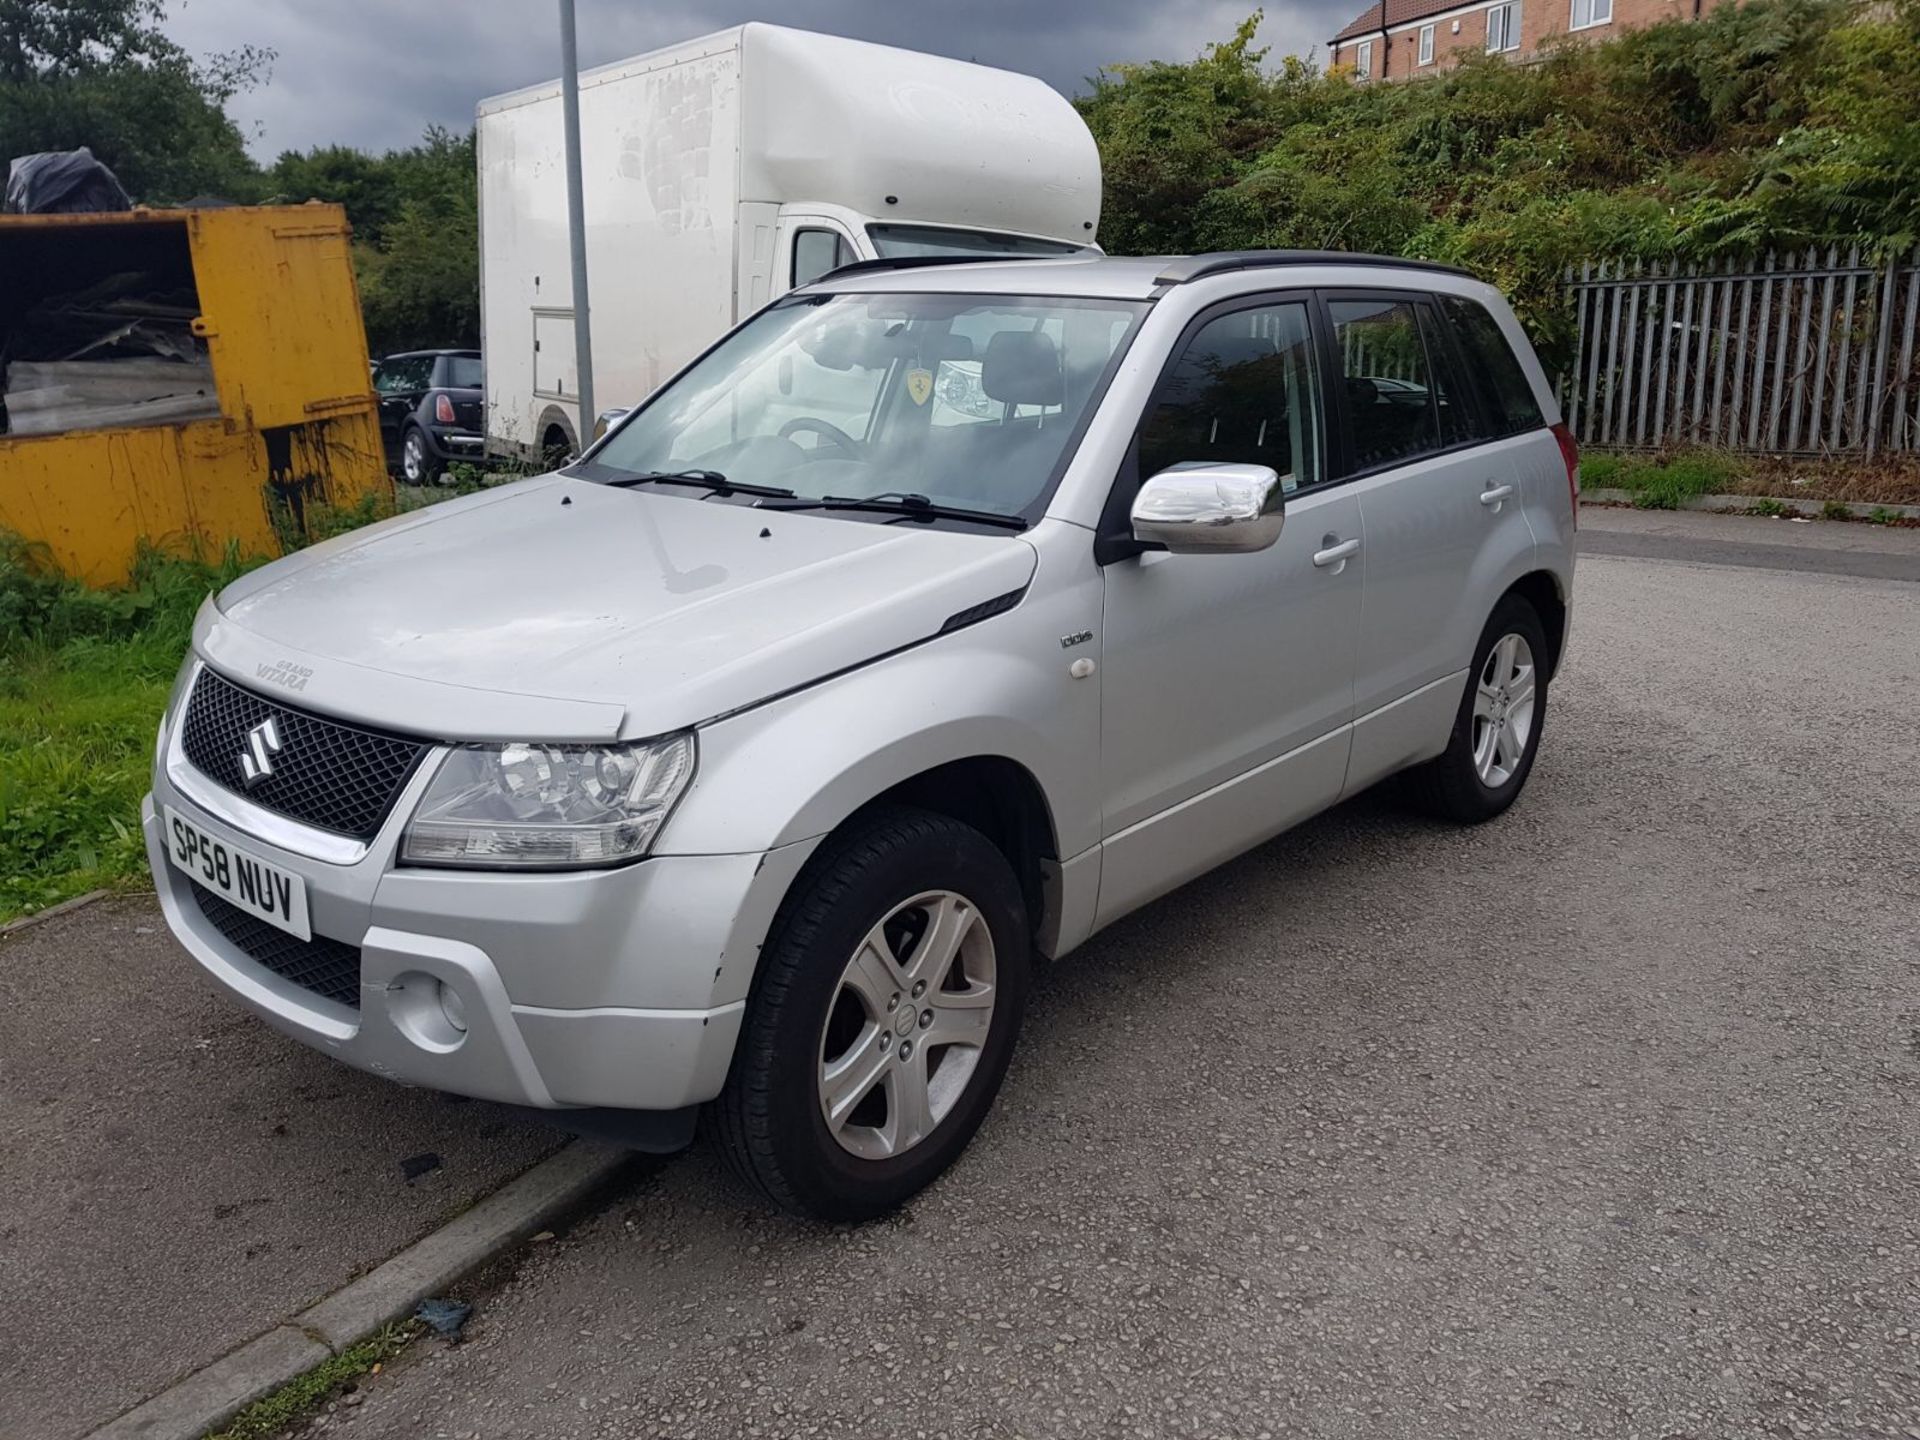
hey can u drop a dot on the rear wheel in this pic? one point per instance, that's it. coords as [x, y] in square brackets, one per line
[417, 465]
[1496, 732]
[885, 1016]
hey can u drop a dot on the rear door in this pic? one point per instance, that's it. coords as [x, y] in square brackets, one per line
[1441, 517]
[465, 379]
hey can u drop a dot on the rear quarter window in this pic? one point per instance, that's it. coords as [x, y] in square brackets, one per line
[1510, 402]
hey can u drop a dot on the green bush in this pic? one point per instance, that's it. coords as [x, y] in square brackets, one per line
[1776, 123]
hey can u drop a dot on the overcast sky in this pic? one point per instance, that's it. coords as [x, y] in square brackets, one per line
[375, 73]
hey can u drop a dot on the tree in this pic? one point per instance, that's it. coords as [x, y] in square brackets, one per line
[57, 39]
[100, 73]
[1769, 124]
[416, 230]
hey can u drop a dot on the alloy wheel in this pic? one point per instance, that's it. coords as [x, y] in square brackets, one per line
[907, 1025]
[1503, 710]
[413, 459]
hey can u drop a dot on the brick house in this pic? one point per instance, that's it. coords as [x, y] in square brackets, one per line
[1395, 39]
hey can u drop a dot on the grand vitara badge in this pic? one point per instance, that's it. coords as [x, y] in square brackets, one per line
[285, 674]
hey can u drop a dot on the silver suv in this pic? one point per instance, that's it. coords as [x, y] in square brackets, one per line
[935, 618]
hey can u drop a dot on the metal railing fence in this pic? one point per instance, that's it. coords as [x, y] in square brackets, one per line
[1795, 354]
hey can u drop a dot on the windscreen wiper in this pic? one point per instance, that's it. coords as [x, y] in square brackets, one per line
[701, 480]
[907, 506]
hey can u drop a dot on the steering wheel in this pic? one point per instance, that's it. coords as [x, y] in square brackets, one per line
[826, 430]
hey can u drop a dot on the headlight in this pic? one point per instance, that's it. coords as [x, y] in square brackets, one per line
[548, 807]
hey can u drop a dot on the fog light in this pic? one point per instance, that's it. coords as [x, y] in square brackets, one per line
[428, 1011]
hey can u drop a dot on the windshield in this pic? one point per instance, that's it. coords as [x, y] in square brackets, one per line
[895, 242]
[968, 400]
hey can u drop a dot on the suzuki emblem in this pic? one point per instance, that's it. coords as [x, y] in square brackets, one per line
[263, 743]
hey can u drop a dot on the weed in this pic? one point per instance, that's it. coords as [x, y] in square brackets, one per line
[1880, 515]
[1835, 510]
[1600, 471]
[1768, 507]
[308, 1392]
[1661, 482]
[84, 675]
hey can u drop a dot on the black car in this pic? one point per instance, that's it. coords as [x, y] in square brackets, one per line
[431, 407]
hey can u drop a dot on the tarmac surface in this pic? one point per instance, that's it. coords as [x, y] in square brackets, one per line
[1603, 1119]
[175, 1177]
[1598, 1120]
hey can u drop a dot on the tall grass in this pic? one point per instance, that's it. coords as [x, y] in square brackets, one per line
[84, 675]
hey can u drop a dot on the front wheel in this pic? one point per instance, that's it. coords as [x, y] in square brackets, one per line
[884, 1019]
[1496, 732]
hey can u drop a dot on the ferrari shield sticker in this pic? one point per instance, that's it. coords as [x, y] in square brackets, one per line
[919, 385]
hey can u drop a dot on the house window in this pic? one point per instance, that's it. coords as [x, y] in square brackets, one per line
[1503, 25]
[1588, 13]
[1426, 42]
[1363, 61]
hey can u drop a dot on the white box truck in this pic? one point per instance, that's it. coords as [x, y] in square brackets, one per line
[721, 173]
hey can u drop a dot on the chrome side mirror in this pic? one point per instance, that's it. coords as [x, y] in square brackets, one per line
[1210, 509]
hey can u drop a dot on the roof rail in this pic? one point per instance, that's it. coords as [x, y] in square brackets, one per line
[1183, 269]
[914, 262]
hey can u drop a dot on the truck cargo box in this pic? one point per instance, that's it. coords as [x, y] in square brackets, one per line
[722, 172]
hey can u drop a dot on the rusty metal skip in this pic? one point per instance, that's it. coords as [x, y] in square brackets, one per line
[297, 423]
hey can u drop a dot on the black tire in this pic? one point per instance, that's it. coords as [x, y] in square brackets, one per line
[768, 1119]
[1450, 786]
[417, 463]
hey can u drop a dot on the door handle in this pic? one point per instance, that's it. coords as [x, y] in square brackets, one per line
[1335, 554]
[1495, 494]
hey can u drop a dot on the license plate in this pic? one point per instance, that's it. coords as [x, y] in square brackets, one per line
[276, 896]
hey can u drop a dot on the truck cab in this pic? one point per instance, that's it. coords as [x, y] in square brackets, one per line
[724, 172]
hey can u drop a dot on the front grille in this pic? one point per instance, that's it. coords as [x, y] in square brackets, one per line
[337, 777]
[329, 968]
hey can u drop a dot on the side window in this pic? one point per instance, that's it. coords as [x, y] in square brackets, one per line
[1244, 391]
[1503, 383]
[1452, 398]
[409, 372]
[1389, 390]
[816, 253]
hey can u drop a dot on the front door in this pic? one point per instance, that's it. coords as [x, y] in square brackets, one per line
[1228, 679]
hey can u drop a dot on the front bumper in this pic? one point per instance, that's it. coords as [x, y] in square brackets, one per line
[616, 988]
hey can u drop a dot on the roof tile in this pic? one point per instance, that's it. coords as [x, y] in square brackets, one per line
[1398, 12]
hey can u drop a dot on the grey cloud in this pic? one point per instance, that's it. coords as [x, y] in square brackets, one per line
[375, 73]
